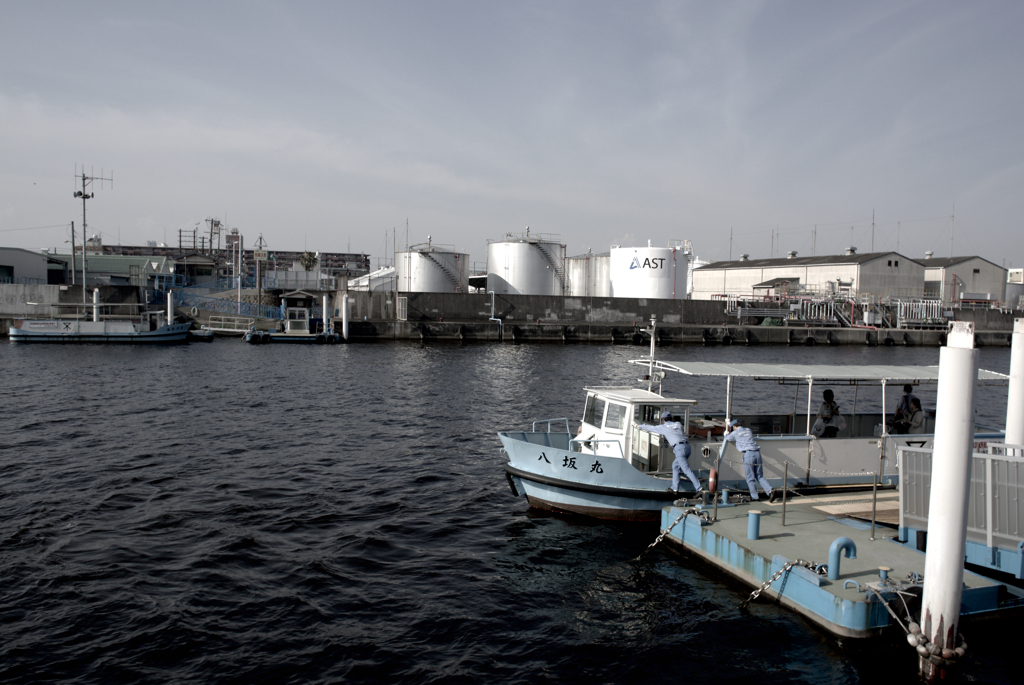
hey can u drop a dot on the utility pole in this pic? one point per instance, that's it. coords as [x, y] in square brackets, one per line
[86, 182]
[214, 229]
[259, 254]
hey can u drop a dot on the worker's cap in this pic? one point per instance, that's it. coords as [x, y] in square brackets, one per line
[734, 422]
[666, 415]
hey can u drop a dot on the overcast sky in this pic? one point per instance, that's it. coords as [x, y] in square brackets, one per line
[329, 125]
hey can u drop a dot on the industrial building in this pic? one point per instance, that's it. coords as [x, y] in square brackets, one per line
[954, 279]
[879, 273]
[27, 267]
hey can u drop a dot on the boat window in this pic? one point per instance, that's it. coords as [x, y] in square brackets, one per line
[594, 412]
[616, 417]
[646, 413]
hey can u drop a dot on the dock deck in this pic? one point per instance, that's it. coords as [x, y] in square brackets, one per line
[852, 606]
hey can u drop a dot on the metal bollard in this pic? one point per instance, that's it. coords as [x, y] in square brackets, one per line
[753, 525]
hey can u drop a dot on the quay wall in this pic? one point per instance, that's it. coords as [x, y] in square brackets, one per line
[554, 319]
[19, 301]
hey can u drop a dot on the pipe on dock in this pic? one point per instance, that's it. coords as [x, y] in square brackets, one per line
[844, 545]
[1015, 394]
[950, 485]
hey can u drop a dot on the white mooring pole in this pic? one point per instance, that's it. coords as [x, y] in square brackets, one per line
[327, 317]
[96, 304]
[1015, 395]
[170, 308]
[344, 316]
[947, 506]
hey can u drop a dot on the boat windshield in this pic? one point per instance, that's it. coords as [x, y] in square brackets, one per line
[651, 413]
[594, 411]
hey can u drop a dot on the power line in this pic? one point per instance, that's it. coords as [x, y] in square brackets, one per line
[32, 228]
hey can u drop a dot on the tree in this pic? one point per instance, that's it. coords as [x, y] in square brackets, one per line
[308, 260]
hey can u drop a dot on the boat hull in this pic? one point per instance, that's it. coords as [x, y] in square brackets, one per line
[71, 332]
[555, 478]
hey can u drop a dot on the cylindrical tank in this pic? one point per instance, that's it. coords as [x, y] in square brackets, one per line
[527, 265]
[589, 275]
[427, 268]
[649, 272]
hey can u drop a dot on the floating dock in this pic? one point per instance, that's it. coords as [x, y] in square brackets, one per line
[821, 530]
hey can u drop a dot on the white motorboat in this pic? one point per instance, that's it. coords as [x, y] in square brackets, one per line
[145, 328]
[614, 469]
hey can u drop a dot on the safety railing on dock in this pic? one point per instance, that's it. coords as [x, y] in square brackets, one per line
[995, 517]
[228, 324]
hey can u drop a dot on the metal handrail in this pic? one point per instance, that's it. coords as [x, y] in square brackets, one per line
[593, 448]
[549, 422]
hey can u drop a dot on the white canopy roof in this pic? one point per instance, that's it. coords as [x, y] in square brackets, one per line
[817, 372]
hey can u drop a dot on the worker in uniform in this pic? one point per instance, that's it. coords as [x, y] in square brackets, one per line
[753, 466]
[676, 436]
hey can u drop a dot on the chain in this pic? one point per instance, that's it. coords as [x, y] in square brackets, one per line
[702, 514]
[819, 569]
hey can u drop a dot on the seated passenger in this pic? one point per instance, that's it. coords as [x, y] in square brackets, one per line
[829, 421]
[915, 424]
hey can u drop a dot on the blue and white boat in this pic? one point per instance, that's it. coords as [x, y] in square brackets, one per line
[614, 469]
[146, 328]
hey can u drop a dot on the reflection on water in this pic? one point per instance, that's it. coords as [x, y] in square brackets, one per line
[235, 513]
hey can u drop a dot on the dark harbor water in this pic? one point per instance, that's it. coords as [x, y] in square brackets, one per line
[231, 514]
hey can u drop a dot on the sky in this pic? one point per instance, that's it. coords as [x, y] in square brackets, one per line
[744, 127]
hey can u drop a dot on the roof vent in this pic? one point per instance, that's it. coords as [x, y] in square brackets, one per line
[851, 250]
[928, 254]
[791, 255]
[744, 257]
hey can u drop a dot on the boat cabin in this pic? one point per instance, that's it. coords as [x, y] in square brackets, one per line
[612, 420]
[299, 307]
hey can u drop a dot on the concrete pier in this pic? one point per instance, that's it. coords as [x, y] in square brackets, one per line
[848, 602]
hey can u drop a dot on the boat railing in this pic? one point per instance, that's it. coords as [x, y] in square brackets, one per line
[591, 445]
[229, 324]
[548, 422]
[995, 519]
[104, 310]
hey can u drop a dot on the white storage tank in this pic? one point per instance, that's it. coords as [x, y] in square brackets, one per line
[649, 272]
[590, 275]
[526, 264]
[427, 268]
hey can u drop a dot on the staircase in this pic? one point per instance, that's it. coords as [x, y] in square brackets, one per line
[557, 265]
[446, 270]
